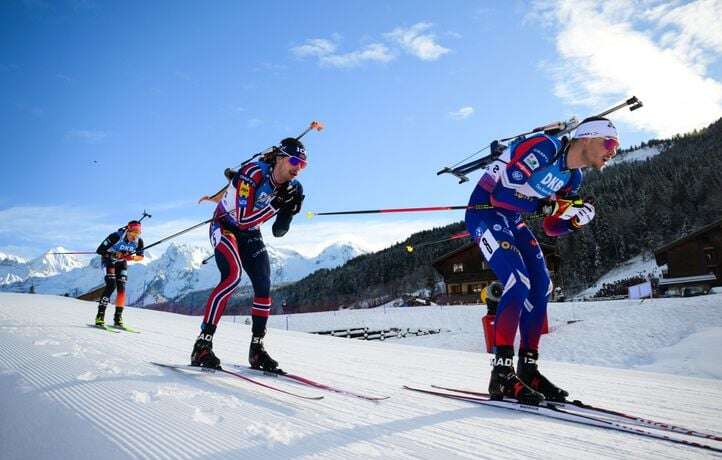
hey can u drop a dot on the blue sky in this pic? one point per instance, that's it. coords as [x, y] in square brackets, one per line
[112, 107]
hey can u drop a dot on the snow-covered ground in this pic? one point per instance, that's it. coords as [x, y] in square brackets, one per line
[620, 333]
[643, 264]
[70, 391]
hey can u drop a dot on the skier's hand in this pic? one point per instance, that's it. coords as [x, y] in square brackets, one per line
[289, 196]
[563, 208]
[294, 205]
[122, 255]
[584, 215]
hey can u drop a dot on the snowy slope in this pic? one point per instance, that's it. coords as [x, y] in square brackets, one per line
[643, 264]
[640, 154]
[77, 392]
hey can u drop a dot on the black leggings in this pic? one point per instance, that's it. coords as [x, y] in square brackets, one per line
[116, 274]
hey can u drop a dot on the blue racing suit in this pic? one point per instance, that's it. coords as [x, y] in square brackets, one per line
[531, 171]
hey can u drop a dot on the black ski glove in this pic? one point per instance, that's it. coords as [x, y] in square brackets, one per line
[289, 197]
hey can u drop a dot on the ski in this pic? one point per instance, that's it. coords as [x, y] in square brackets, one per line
[124, 328]
[555, 412]
[576, 406]
[312, 383]
[225, 372]
[104, 328]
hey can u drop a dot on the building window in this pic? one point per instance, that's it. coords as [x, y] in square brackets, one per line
[458, 268]
[455, 288]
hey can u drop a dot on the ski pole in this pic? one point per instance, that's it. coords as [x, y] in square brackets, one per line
[193, 227]
[311, 214]
[410, 248]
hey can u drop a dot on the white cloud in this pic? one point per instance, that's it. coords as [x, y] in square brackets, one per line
[314, 47]
[658, 51]
[464, 112]
[87, 136]
[325, 51]
[414, 41]
[376, 52]
[254, 122]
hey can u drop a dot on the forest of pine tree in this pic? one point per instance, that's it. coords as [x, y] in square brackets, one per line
[640, 206]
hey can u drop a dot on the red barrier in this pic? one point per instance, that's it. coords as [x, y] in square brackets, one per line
[488, 323]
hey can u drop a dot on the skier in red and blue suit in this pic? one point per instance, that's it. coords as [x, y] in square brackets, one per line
[259, 191]
[535, 174]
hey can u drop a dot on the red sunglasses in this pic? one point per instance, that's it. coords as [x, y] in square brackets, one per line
[611, 144]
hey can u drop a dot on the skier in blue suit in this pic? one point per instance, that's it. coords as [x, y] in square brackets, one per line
[540, 171]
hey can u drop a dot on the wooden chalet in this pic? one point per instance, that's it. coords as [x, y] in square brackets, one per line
[693, 262]
[466, 272]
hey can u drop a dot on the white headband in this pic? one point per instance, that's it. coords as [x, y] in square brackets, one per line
[596, 128]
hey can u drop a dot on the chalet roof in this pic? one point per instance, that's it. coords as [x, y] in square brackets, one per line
[458, 250]
[667, 247]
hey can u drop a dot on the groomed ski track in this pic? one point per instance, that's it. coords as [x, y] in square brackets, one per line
[70, 391]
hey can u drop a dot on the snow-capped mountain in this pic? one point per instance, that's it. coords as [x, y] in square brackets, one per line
[177, 272]
[14, 269]
[9, 259]
[50, 264]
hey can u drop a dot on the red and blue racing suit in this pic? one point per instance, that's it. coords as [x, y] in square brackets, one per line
[236, 236]
[528, 173]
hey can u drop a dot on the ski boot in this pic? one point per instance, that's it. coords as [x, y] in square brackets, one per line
[100, 317]
[505, 383]
[118, 318]
[528, 372]
[259, 358]
[202, 355]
